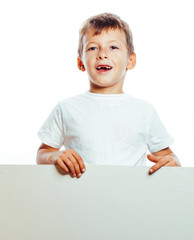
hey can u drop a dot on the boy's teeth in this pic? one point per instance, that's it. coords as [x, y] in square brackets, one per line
[101, 67]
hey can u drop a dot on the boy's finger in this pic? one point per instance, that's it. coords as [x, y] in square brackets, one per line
[153, 158]
[62, 165]
[75, 164]
[158, 165]
[171, 164]
[70, 165]
[79, 160]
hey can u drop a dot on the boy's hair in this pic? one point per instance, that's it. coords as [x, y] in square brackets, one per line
[105, 21]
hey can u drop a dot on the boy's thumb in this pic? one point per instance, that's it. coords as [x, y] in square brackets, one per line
[153, 158]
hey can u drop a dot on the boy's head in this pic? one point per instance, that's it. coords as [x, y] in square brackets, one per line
[106, 51]
[105, 21]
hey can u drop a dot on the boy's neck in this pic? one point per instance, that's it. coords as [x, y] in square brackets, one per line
[105, 90]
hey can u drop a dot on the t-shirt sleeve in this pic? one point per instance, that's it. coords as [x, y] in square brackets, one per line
[52, 131]
[158, 137]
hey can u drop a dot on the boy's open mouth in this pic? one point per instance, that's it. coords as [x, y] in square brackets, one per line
[103, 68]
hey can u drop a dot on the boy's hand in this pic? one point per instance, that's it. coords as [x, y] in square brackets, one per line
[169, 160]
[71, 162]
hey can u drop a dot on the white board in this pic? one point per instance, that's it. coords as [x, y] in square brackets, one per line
[106, 203]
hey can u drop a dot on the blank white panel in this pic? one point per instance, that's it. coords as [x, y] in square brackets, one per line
[106, 203]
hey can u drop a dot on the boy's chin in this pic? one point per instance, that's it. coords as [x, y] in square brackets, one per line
[101, 84]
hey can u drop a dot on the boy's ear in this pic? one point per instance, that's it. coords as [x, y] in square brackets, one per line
[132, 61]
[80, 64]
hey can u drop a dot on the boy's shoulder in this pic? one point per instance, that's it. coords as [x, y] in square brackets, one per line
[140, 101]
[142, 106]
[71, 99]
[71, 102]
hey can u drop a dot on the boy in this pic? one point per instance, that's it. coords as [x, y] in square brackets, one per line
[104, 125]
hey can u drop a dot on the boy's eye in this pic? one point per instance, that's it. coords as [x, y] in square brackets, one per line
[114, 47]
[91, 48]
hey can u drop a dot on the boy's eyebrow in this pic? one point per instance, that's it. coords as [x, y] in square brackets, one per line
[115, 41]
[108, 42]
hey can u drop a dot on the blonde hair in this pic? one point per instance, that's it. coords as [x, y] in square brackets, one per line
[105, 21]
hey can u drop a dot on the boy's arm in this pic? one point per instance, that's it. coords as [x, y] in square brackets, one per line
[69, 160]
[44, 154]
[162, 158]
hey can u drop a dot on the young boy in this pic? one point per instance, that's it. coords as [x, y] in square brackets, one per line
[104, 125]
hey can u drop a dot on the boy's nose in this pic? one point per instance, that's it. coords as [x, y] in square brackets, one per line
[102, 55]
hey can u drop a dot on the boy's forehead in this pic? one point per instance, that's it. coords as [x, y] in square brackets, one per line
[105, 35]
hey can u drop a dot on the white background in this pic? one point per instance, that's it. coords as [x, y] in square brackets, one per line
[38, 66]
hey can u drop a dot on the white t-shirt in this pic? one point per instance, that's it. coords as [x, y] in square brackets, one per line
[106, 129]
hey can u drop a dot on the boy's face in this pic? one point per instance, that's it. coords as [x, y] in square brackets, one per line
[106, 58]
